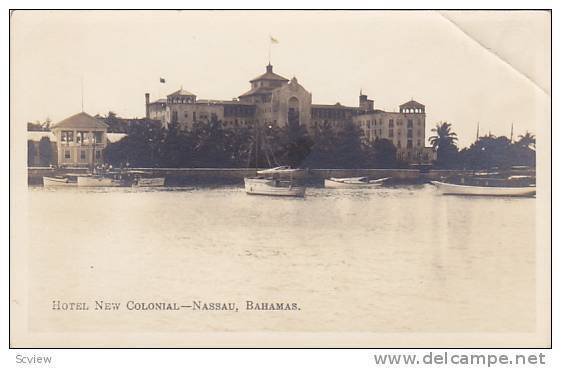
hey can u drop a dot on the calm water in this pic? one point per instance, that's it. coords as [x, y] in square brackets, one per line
[382, 260]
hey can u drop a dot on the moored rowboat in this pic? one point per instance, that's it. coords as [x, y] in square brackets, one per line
[359, 182]
[474, 190]
[57, 181]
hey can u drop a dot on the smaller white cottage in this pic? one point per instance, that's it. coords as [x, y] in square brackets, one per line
[80, 140]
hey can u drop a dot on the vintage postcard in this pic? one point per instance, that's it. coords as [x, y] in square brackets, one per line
[280, 178]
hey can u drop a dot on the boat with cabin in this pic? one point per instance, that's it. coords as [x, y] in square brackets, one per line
[273, 187]
[140, 178]
[488, 184]
[108, 179]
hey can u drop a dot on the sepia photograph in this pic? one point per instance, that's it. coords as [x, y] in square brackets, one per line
[280, 178]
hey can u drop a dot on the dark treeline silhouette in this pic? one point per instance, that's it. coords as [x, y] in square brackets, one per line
[208, 144]
[486, 152]
[39, 126]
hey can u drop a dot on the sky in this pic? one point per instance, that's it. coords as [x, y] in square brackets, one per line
[491, 68]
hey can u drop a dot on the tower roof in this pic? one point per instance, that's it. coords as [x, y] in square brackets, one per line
[181, 92]
[412, 104]
[81, 121]
[269, 75]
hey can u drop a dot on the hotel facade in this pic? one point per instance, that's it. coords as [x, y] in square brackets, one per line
[272, 99]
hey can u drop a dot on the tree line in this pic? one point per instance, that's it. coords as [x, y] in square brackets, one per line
[487, 152]
[209, 144]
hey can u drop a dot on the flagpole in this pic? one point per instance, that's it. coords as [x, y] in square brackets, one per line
[82, 90]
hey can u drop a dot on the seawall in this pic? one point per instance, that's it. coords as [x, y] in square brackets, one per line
[188, 176]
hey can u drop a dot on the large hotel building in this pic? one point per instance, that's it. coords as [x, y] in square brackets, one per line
[273, 98]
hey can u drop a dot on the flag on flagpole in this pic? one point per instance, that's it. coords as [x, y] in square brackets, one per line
[162, 80]
[274, 40]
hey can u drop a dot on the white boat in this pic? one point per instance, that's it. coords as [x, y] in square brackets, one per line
[474, 190]
[63, 181]
[273, 187]
[100, 181]
[278, 170]
[358, 182]
[149, 182]
[139, 178]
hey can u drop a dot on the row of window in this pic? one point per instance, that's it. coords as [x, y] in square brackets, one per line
[412, 111]
[82, 137]
[379, 122]
[329, 113]
[181, 100]
[82, 153]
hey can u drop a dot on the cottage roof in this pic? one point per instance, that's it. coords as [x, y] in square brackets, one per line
[115, 137]
[80, 121]
[412, 104]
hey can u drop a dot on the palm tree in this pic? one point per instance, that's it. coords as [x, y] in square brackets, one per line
[444, 136]
[445, 144]
[526, 140]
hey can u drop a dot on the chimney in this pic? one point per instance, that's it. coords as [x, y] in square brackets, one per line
[147, 99]
[269, 68]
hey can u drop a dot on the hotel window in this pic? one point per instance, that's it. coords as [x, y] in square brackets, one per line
[409, 143]
[97, 154]
[409, 123]
[409, 133]
[194, 116]
[391, 123]
[398, 144]
[67, 154]
[390, 133]
[82, 155]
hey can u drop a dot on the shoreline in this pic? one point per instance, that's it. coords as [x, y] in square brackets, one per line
[190, 176]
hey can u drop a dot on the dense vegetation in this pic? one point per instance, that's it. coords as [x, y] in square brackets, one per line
[486, 152]
[208, 144]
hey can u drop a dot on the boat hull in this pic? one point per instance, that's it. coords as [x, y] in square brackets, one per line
[150, 182]
[96, 181]
[471, 190]
[57, 182]
[331, 184]
[267, 187]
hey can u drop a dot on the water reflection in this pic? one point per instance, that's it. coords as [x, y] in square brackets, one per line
[388, 259]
